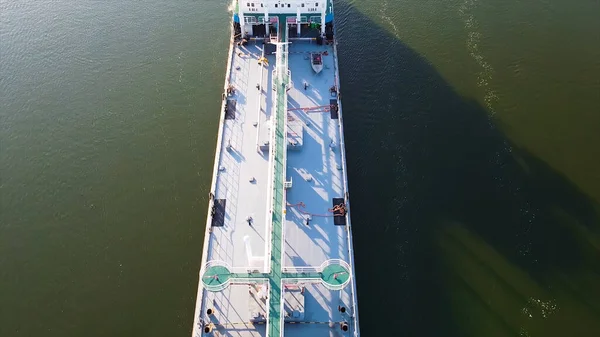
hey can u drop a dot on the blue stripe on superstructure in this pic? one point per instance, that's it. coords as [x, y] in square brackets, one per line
[328, 18]
[236, 18]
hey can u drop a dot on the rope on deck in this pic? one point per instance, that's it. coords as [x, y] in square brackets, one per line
[341, 208]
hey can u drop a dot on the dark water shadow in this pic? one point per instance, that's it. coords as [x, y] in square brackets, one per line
[421, 156]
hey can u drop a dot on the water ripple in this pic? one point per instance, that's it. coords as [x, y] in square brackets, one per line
[485, 75]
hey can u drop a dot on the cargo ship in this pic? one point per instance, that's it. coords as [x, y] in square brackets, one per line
[277, 256]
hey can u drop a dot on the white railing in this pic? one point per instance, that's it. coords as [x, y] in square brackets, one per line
[245, 270]
[304, 280]
[207, 236]
[232, 270]
[281, 311]
[290, 84]
[284, 57]
[354, 312]
[271, 174]
[299, 270]
[335, 261]
[248, 280]
[258, 112]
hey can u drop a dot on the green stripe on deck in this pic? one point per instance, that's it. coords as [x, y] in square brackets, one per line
[216, 277]
[274, 329]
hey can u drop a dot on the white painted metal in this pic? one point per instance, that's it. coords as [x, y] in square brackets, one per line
[318, 170]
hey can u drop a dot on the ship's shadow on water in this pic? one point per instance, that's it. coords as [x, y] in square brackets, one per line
[422, 159]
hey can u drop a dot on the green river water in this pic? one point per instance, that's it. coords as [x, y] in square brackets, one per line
[473, 145]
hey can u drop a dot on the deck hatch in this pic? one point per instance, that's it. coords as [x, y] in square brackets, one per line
[270, 49]
[230, 106]
[218, 213]
[339, 215]
[333, 108]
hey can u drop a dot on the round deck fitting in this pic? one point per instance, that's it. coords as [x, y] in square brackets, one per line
[335, 276]
[216, 278]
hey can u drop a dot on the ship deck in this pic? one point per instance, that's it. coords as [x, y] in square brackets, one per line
[244, 233]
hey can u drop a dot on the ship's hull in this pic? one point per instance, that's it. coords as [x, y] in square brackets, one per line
[278, 241]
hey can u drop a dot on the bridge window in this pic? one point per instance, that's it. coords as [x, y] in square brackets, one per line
[302, 5]
[247, 4]
[253, 4]
[275, 5]
[289, 5]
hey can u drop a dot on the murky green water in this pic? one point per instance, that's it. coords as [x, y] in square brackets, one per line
[482, 117]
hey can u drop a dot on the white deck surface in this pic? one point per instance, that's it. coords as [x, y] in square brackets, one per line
[321, 240]
[242, 162]
[318, 159]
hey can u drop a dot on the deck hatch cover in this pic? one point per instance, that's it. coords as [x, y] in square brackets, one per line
[339, 216]
[333, 108]
[218, 213]
[230, 106]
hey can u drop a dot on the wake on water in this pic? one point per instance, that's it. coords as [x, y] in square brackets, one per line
[484, 77]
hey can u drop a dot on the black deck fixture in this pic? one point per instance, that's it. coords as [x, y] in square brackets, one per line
[329, 31]
[293, 31]
[270, 49]
[218, 213]
[237, 30]
[339, 211]
[333, 108]
[230, 106]
[259, 30]
[307, 31]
